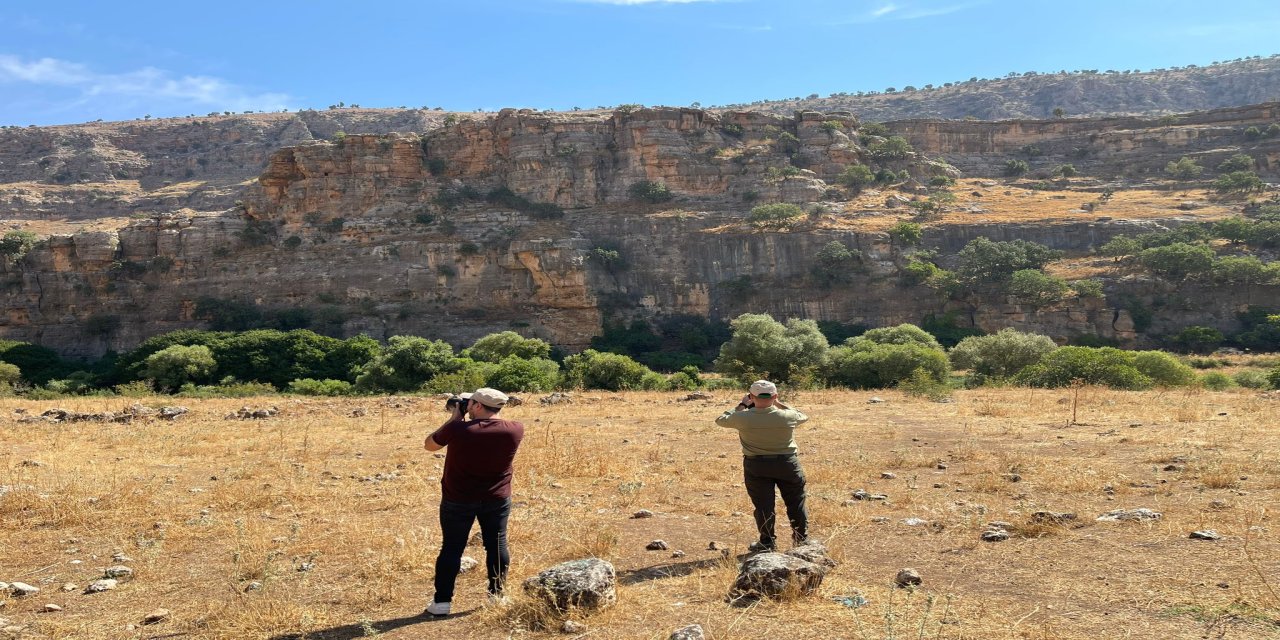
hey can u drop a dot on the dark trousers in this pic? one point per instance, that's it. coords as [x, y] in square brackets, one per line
[455, 525]
[762, 474]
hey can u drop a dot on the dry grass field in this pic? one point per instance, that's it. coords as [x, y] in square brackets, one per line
[333, 511]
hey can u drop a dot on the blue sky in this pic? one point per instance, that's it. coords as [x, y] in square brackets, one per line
[75, 61]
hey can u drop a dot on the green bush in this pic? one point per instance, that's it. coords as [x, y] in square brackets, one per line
[1198, 339]
[9, 373]
[650, 191]
[774, 214]
[16, 244]
[1002, 354]
[406, 364]
[1064, 366]
[1216, 381]
[856, 177]
[1164, 369]
[313, 387]
[1252, 379]
[175, 366]
[38, 364]
[902, 334]
[1037, 288]
[983, 261]
[906, 234]
[686, 379]
[1014, 168]
[497, 346]
[226, 389]
[1238, 162]
[892, 148]
[1184, 169]
[1207, 363]
[593, 369]
[920, 384]
[835, 263]
[761, 347]
[871, 365]
[1239, 182]
[1087, 288]
[515, 373]
[1273, 377]
[471, 375]
[1178, 261]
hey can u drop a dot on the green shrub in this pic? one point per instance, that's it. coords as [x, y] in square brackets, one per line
[1196, 339]
[1164, 369]
[1216, 381]
[406, 364]
[1252, 379]
[515, 373]
[892, 148]
[1273, 377]
[497, 346]
[1002, 354]
[650, 191]
[686, 379]
[1088, 365]
[593, 369]
[1183, 169]
[1207, 363]
[774, 214]
[906, 234]
[761, 347]
[313, 387]
[902, 334]
[1037, 288]
[1238, 162]
[9, 373]
[871, 365]
[470, 376]
[1087, 288]
[920, 384]
[856, 177]
[1177, 261]
[1014, 168]
[654, 381]
[1239, 182]
[835, 263]
[983, 261]
[38, 364]
[16, 244]
[175, 366]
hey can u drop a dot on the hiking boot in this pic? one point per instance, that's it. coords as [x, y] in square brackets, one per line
[761, 546]
[439, 608]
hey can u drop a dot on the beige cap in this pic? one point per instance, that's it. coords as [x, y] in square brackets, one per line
[764, 388]
[490, 397]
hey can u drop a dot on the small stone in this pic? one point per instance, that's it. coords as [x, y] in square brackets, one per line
[716, 546]
[888, 475]
[643, 513]
[875, 400]
[939, 485]
[159, 615]
[253, 586]
[908, 577]
[120, 573]
[69, 587]
[571, 626]
[1000, 524]
[677, 554]
[691, 632]
[306, 566]
[1224, 585]
[1013, 477]
[120, 558]
[1053, 517]
[940, 465]
[50, 608]
[1219, 504]
[657, 545]
[1205, 534]
[20, 589]
[468, 564]
[914, 522]
[98, 586]
[995, 535]
[880, 519]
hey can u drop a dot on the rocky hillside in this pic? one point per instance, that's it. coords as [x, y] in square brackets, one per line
[1088, 93]
[555, 223]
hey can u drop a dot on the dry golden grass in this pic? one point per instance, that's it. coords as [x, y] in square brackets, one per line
[205, 506]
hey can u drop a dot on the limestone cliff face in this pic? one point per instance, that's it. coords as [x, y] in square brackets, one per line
[525, 220]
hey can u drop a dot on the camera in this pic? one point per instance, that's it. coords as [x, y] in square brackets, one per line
[456, 400]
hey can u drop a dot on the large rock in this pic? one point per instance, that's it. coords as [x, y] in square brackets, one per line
[774, 575]
[589, 584]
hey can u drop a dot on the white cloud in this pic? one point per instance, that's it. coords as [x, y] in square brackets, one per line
[894, 11]
[144, 85]
[885, 10]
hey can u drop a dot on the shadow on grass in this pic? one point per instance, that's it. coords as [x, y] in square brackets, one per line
[367, 628]
[672, 570]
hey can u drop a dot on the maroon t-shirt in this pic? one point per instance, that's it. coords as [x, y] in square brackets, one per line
[477, 463]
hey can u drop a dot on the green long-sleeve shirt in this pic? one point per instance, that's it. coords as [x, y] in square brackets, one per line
[764, 432]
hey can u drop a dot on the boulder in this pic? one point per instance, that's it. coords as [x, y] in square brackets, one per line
[774, 574]
[691, 632]
[589, 584]
[813, 551]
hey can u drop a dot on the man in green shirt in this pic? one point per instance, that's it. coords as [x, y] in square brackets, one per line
[766, 429]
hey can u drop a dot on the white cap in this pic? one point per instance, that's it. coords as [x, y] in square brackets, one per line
[763, 387]
[491, 398]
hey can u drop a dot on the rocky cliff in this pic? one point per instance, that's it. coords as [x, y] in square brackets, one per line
[529, 220]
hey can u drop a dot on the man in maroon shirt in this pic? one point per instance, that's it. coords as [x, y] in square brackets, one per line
[476, 485]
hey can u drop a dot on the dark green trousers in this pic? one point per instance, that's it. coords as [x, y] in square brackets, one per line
[761, 475]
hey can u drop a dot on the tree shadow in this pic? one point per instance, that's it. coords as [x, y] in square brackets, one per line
[672, 570]
[367, 628]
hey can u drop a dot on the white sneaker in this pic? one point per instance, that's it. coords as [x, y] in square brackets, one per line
[439, 608]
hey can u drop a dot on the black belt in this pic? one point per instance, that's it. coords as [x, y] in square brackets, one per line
[781, 456]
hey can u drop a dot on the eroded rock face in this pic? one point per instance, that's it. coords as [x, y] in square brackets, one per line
[404, 229]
